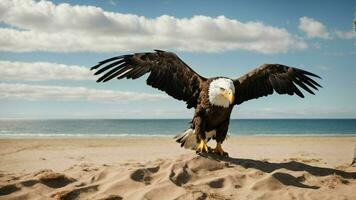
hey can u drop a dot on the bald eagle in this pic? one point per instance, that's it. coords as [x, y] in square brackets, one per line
[212, 98]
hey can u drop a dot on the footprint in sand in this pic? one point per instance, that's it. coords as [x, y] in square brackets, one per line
[219, 183]
[8, 189]
[180, 176]
[54, 180]
[144, 175]
[73, 194]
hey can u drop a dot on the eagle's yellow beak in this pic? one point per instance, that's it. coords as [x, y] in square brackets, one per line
[229, 95]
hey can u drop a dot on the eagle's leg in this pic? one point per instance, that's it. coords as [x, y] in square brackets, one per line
[219, 150]
[199, 125]
[202, 147]
[220, 137]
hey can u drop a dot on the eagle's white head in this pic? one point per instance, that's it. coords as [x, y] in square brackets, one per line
[222, 92]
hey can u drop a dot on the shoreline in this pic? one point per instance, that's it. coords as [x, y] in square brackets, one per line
[18, 153]
[118, 136]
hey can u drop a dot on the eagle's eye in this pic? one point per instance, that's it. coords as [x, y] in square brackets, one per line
[222, 89]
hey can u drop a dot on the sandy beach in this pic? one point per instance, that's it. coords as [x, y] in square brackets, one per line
[157, 168]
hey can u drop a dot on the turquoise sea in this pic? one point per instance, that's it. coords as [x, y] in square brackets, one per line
[170, 127]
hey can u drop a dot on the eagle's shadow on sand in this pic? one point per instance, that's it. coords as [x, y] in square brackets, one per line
[284, 178]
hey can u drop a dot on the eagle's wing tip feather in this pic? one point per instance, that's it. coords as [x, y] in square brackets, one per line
[158, 50]
[95, 67]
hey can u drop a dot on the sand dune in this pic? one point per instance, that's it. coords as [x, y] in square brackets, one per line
[177, 176]
[184, 177]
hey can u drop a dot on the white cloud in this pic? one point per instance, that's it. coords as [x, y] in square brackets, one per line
[313, 28]
[59, 93]
[44, 26]
[40, 71]
[345, 35]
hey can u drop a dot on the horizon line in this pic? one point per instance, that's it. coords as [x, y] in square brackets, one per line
[317, 118]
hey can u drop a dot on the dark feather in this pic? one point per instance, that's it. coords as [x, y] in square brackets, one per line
[301, 84]
[111, 72]
[312, 81]
[167, 73]
[279, 78]
[106, 61]
[297, 91]
[309, 73]
[108, 67]
[122, 69]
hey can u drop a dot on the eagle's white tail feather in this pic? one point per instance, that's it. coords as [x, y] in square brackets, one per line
[188, 139]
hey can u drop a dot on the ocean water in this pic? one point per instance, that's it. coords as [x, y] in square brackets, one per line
[170, 127]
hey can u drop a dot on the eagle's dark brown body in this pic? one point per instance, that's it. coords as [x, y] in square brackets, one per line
[167, 72]
[208, 117]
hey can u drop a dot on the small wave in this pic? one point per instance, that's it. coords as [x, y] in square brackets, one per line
[298, 135]
[118, 135]
[78, 135]
[4, 131]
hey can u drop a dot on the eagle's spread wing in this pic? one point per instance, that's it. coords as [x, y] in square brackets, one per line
[167, 73]
[267, 78]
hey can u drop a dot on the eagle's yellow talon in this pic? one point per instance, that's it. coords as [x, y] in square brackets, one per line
[219, 150]
[202, 147]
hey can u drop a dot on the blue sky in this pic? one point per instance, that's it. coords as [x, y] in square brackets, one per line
[47, 47]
